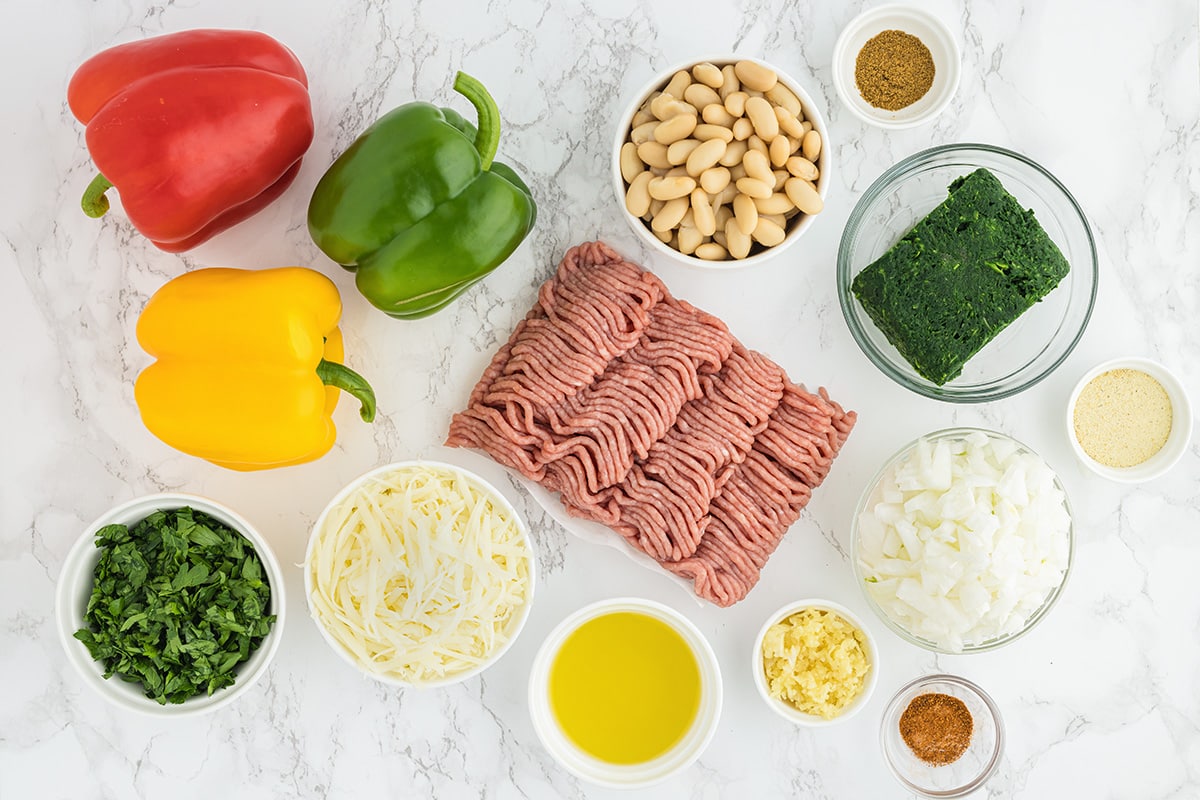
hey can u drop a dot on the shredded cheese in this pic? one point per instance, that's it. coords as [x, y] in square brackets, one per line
[421, 574]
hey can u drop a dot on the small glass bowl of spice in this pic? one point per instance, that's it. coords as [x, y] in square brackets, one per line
[1129, 420]
[896, 66]
[942, 736]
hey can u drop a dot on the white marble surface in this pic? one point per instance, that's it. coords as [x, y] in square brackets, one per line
[1101, 700]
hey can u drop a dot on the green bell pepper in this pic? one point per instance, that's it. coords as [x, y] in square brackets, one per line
[418, 209]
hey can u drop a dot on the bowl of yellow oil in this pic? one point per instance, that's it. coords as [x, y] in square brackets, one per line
[625, 693]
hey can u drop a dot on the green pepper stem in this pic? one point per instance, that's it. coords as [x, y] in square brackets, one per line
[487, 136]
[332, 373]
[94, 203]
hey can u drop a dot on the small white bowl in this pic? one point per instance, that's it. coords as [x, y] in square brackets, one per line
[787, 710]
[516, 624]
[75, 585]
[798, 224]
[932, 32]
[1181, 423]
[620, 776]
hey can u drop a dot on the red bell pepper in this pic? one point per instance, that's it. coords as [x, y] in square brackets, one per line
[197, 130]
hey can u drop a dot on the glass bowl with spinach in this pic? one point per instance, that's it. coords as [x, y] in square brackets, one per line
[170, 604]
[967, 273]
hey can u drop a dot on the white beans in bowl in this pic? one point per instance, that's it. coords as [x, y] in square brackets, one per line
[721, 162]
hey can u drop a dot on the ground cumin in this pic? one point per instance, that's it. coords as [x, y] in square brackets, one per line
[937, 727]
[893, 70]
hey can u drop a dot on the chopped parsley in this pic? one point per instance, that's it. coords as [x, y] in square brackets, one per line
[179, 600]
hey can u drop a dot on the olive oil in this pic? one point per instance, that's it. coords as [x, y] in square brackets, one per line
[625, 687]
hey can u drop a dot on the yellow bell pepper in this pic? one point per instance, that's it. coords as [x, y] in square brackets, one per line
[248, 370]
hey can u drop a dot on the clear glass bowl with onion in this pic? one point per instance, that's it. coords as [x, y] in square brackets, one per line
[902, 616]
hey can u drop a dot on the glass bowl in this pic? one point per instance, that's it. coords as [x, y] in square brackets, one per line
[1035, 343]
[969, 771]
[872, 495]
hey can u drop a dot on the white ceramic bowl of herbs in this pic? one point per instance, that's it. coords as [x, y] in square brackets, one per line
[198, 592]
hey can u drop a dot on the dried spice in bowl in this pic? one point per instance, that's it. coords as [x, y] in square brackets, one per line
[937, 728]
[893, 70]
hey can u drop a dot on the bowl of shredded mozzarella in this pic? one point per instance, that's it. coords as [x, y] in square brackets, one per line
[963, 541]
[419, 574]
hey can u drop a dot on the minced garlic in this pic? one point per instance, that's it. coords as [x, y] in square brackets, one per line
[816, 661]
[1122, 418]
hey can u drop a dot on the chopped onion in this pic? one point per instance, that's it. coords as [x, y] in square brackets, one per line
[962, 541]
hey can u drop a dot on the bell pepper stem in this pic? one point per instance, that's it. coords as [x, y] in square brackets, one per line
[487, 136]
[332, 373]
[94, 203]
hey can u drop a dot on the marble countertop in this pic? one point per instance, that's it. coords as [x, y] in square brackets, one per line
[1101, 700]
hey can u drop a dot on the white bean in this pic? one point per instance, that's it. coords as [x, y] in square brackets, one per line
[631, 165]
[706, 221]
[704, 132]
[671, 215]
[700, 95]
[743, 129]
[712, 252]
[782, 96]
[666, 106]
[644, 132]
[705, 156]
[733, 154]
[689, 240]
[777, 203]
[779, 150]
[804, 195]
[714, 179]
[768, 233]
[678, 152]
[755, 76]
[642, 116]
[811, 146]
[674, 129]
[755, 188]
[680, 81]
[637, 199]
[738, 243]
[802, 168]
[729, 82]
[708, 74]
[671, 188]
[757, 166]
[762, 115]
[735, 104]
[788, 123]
[654, 154]
[715, 114]
[746, 213]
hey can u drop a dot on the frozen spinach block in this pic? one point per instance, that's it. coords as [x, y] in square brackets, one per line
[960, 276]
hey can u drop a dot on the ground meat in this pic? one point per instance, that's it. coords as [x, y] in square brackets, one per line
[645, 414]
